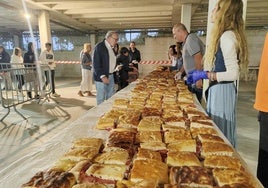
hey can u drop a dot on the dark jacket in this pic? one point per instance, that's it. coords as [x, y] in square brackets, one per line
[100, 61]
[86, 58]
[123, 60]
[4, 58]
[135, 56]
[29, 55]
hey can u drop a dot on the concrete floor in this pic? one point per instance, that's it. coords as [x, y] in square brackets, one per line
[18, 137]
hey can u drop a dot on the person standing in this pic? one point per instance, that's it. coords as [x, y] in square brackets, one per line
[226, 52]
[86, 65]
[4, 58]
[123, 60]
[192, 54]
[134, 54]
[17, 63]
[104, 64]
[29, 60]
[261, 104]
[47, 57]
[4, 61]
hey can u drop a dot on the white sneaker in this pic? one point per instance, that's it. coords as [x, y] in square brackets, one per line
[55, 95]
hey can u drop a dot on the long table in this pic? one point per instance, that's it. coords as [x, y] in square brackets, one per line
[21, 170]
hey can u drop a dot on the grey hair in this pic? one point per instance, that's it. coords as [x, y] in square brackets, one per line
[110, 33]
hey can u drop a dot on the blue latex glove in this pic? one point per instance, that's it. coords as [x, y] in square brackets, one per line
[194, 76]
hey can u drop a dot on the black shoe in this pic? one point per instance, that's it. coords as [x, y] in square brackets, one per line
[29, 94]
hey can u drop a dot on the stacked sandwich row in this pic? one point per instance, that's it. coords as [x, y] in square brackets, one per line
[157, 138]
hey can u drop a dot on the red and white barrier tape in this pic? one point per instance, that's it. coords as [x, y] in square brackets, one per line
[142, 62]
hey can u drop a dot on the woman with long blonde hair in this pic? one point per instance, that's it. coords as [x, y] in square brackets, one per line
[227, 54]
[86, 65]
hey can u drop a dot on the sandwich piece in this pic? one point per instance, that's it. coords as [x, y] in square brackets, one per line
[140, 184]
[88, 142]
[148, 136]
[64, 164]
[119, 157]
[51, 178]
[120, 103]
[149, 124]
[217, 161]
[202, 130]
[148, 154]
[198, 124]
[106, 123]
[172, 113]
[79, 169]
[122, 136]
[107, 171]
[79, 154]
[151, 112]
[182, 159]
[176, 121]
[216, 148]
[149, 170]
[226, 177]
[239, 185]
[199, 118]
[191, 176]
[154, 146]
[182, 145]
[209, 138]
[129, 120]
[176, 135]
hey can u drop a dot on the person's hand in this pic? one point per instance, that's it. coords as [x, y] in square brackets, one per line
[118, 67]
[195, 75]
[177, 76]
[135, 62]
[105, 80]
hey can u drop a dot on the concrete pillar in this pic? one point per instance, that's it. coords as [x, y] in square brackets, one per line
[245, 4]
[44, 28]
[186, 14]
[16, 41]
[93, 40]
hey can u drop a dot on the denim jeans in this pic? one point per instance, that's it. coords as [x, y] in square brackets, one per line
[105, 91]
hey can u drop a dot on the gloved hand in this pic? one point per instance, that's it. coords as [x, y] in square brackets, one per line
[177, 76]
[195, 75]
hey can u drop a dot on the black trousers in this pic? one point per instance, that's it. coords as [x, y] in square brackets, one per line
[20, 79]
[262, 168]
[52, 80]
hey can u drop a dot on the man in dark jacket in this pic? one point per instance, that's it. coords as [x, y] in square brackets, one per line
[29, 55]
[134, 53]
[104, 63]
[28, 60]
[4, 58]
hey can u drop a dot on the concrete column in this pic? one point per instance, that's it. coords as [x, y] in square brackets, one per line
[16, 41]
[245, 3]
[93, 40]
[186, 14]
[44, 28]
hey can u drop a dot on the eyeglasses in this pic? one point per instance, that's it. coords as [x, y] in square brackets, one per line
[116, 39]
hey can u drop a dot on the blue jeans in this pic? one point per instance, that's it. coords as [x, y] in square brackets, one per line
[104, 91]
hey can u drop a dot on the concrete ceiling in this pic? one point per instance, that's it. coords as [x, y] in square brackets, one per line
[96, 15]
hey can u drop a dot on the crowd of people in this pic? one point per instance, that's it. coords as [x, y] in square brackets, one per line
[17, 61]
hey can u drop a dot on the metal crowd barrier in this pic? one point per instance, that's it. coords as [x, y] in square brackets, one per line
[20, 83]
